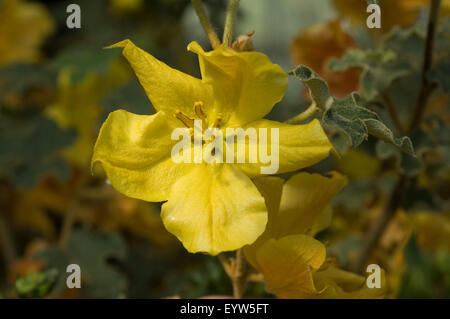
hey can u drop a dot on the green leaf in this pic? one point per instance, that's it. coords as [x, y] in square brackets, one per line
[318, 88]
[20, 77]
[357, 122]
[347, 114]
[92, 251]
[340, 141]
[427, 273]
[406, 165]
[378, 129]
[348, 117]
[37, 284]
[440, 75]
[130, 97]
[31, 148]
[83, 61]
[380, 69]
[408, 43]
[358, 58]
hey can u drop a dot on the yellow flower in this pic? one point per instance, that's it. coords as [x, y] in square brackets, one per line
[211, 207]
[292, 262]
[77, 107]
[23, 28]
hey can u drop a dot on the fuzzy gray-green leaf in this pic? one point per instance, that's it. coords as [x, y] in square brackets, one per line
[318, 88]
[380, 69]
[348, 117]
[357, 122]
[381, 131]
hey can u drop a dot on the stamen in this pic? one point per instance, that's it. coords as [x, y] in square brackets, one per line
[186, 120]
[191, 131]
[218, 120]
[198, 109]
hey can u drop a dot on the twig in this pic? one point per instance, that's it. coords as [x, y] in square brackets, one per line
[229, 22]
[427, 87]
[393, 204]
[206, 24]
[377, 229]
[6, 242]
[304, 116]
[239, 278]
[392, 111]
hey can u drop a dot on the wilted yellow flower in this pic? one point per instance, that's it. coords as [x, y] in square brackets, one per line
[31, 211]
[433, 229]
[211, 207]
[390, 251]
[77, 107]
[293, 263]
[23, 28]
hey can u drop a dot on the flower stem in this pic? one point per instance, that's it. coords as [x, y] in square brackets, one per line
[229, 21]
[206, 24]
[427, 87]
[225, 264]
[239, 277]
[305, 115]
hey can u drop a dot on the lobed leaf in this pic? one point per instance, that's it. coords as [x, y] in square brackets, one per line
[31, 148]
[348, 117]
[347, 114]
[92, 251]
[440, 75]
[380, 69]
[317, 86]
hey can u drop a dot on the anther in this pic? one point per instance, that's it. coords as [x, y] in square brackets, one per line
[198, 109]
[186, 120]
[218, 120]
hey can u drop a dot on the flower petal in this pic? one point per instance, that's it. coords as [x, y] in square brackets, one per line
[304, 199]
[270, 188]
[335, 283]
[246, 84]
[215, 208]
[168, 89]
[135, 151]
[299, 146]
[288, 264]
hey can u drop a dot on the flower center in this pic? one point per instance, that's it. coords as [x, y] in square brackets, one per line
[200, 114]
